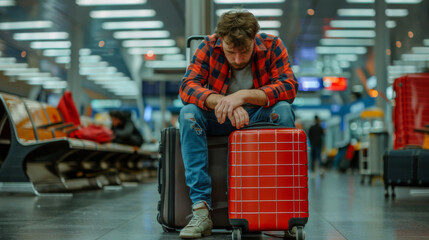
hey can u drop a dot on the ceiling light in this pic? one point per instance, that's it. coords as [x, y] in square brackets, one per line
[173, 57]
[122, 13]
[351, 33]
[352, 23]
[166, 64]
[141, 34]
[89, 59]
[259, 12]
[97, 70]
[415, 57]
[396, 12]
[39, 80]
[387, 1]
[426, 42]
[6, 66]
[347, 57]
[247, 1]
[420, 50]
[132, 25]
[269, 24]
[390, 24]
[50, 44]
[55, 85]
[149, 43]
[96, 64]
[56, 52]
[269, 31]
[63, 60]
[341, 50]
[168, 50]
[84, 51]
[108, 2]
[7, 60]
[7, 3]
[25, 25]
[40, 36]
[347, 42]
[356, 12]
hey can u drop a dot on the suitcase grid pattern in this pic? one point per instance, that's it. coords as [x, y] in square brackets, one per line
[269, 189]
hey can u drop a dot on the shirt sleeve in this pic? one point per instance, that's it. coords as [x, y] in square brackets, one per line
[283, 85]
[192, 89]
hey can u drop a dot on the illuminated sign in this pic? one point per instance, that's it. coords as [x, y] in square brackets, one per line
[335, 83]
[310, 84]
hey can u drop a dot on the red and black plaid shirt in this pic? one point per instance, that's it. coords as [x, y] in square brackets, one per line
[209, 71]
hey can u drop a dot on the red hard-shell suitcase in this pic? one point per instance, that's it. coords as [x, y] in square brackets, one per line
[411, 109]
[268, 180]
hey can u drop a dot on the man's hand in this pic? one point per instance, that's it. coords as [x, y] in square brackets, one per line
[239, 117]
[227, 105]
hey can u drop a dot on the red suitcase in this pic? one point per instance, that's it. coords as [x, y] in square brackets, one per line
[411, 109]
[268, 180]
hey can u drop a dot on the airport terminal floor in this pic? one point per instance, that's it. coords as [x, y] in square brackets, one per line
[340, 208]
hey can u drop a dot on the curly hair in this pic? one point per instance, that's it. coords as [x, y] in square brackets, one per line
[239, 26]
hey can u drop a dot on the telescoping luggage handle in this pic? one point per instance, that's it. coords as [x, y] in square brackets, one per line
[188, 45]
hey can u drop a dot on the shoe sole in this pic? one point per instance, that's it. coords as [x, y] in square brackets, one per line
[203, 234]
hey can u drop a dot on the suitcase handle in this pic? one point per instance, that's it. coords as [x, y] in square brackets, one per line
[259, 125]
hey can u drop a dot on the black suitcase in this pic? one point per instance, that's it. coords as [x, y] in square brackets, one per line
[175, 206]
[423, 167]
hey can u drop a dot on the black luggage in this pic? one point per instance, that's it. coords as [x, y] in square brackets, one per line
[406, 167]
[174, 208]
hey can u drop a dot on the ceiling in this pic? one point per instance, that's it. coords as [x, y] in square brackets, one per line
[303, 24]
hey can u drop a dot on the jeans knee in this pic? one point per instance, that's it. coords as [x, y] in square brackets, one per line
[283, 114]
[190, 116]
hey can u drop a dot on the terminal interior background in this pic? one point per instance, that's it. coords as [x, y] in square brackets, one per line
[130, 55]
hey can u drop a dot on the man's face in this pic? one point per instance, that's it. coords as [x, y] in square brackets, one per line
[237, 57]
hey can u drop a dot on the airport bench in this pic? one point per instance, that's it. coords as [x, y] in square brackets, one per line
[35, 149]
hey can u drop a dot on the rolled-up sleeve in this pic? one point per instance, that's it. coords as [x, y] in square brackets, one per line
[284, 86]
[192, 89]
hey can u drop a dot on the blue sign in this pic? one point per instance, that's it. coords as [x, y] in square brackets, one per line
[307, 84]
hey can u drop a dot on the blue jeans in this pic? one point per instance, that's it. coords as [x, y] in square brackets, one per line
[316, 157]
[196, 124]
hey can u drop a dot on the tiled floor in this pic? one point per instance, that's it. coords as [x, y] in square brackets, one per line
[340, 208]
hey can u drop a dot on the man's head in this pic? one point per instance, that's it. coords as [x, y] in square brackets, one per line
[237, 29]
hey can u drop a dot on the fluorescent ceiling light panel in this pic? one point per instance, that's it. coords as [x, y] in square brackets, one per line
[7, 60]
[123, 13]
[173, 57]
[387, 1]
[347, 42]
[390, 24]
[415, 57]
[50, 44]
[97, 70]
[341, 50]
[258, 12]
[247, 1]
[84, 51]
[6, 66]
[7, 3]
[420, 50]
[396, 12]
[350, 33]
[132, 25]
[89, 59]
[356, 12]
[56, 52]
[269, 24]
[107, 78]
[63, 60]
[344, 64]
[55, 85]
[269, 31]
[352, 23]
[168, 50]
[149, 43]
[109, 2]
[25, 25]
[141, 34]
[96, 64]
[166, 64]
[347, 57]
[426, 42]
[40, 36]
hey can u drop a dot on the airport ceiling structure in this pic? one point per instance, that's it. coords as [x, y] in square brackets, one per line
[117, 41]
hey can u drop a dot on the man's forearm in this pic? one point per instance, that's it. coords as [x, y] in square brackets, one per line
[254, 96]
[212, 100]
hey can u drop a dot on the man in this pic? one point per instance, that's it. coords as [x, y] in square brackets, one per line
[315, 134]
[236, 77]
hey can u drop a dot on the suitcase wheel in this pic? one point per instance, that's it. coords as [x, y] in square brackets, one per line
[236, 234]
[297, 232]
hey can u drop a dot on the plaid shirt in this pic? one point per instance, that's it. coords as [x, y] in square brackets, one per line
[209, 71]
